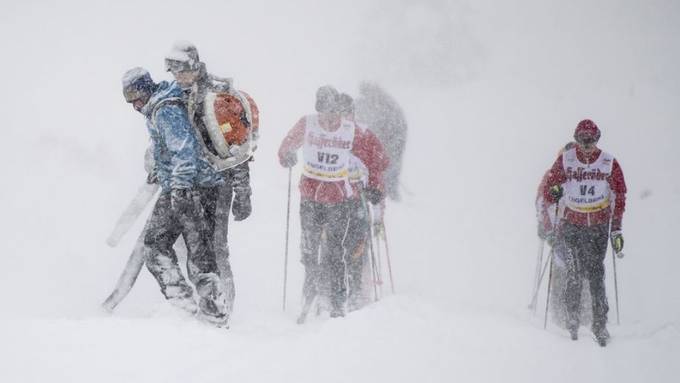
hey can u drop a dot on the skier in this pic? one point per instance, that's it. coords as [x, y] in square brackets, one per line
[385, 118]
[187, 200]
[548, 216]
[363, 215]
[327, 197]
[227, 122]
[593, 187]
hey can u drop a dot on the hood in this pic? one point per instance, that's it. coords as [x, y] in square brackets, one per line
[164, 91]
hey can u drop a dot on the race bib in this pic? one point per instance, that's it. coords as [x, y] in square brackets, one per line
[587, 188]
[326, 154]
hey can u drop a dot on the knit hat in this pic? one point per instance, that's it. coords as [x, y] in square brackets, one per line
[137, 83]
[586, 132]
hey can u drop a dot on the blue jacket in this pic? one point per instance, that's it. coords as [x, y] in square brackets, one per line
[178, 155]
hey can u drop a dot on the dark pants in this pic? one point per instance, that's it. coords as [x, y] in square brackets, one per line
[357, 249]
[237, 183]
[331, 221]
[585, 247]
[221, 244]
[196, 225]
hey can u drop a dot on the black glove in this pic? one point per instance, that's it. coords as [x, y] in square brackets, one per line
[152, 177]
[241, 207]
[183, 200]
[556, 192]
[374, 196]
[289, 160]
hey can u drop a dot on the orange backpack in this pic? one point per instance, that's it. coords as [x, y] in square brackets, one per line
[233, 121]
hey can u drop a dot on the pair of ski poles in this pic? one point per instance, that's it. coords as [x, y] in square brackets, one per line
[374, 271]
[548, 263]
[376, 266]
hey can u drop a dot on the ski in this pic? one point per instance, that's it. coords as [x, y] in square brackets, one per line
[145, 194]
[128, 276]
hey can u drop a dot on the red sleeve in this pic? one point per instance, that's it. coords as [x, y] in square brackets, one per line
[618, 185]
[293, 140]
[541, 205]
[370, 151]
[541, 186]
[555, 176]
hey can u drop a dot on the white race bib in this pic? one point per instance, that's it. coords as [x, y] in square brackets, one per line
[587, 188]
[326, 154]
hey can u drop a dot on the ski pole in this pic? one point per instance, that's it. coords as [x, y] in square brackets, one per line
[616, 288]
[285, 262]
[552, 255]
[534, 298]
[387, 254]
[374, 274]
[547, 299]
[376, 236]
[537, 274]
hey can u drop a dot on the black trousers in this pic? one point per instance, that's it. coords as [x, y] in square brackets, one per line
[221, 244]
[330, 222]
[196, 224]
[585, 249]
[357, 248]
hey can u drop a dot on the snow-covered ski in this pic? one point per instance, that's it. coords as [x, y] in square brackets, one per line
[128, 276]
[145, 194]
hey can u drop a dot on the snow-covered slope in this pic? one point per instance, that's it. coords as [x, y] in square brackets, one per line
[491, 91]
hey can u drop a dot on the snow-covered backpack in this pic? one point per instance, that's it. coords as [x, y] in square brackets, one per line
[231, 118]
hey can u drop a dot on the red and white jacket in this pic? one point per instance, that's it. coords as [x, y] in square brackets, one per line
[365, 146]
[617, 188]
[544, 209]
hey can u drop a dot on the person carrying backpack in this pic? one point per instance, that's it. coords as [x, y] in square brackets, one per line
[226, 121]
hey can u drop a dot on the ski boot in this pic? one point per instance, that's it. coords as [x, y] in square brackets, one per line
[601, 336]
[185, 304]
[573, 332]
[338, 311]
[572, 326]
[213, 301]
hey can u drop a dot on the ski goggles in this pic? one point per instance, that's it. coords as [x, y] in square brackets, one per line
[176, 66]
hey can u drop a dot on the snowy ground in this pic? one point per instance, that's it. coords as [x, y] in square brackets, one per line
[490, 91]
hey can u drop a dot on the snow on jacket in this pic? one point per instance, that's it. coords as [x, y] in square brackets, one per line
[617, 185]
[543, 209]
[177, 153]
[365, 146]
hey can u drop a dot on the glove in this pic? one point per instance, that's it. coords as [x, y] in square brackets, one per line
[556, 192]
[542, 232]
[289, 160]
[378, 226]
[616, 238]
[374, 196]
[550, 238]
[241, 208]
[152, 177]
[182, 200]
